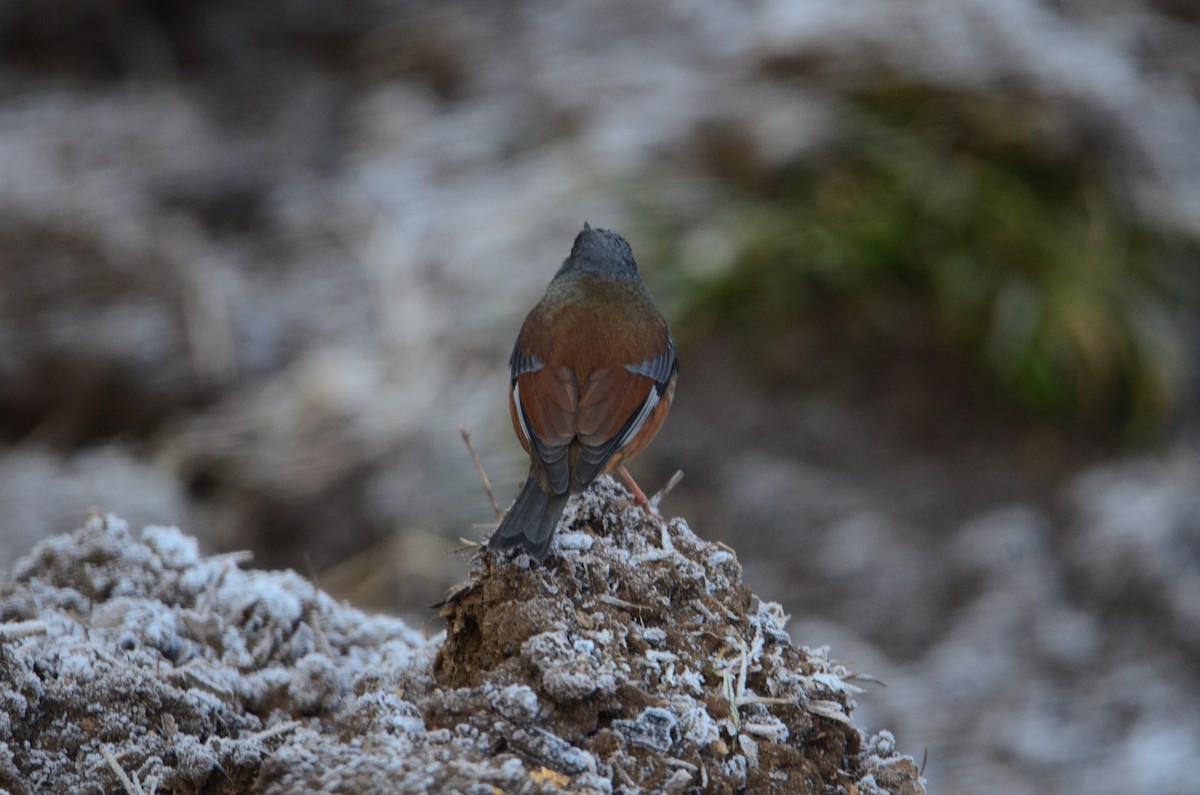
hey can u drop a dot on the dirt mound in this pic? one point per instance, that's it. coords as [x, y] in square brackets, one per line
[644, 649]
[635, 661]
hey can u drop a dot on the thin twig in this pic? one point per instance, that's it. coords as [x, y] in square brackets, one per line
[275, 731]
[665, 490]
[132, 787]
[487, 484]
[467, 546]
[22, 629]
[672, 762]
[859, 676]
[314, 611]
[617, 602]
[236, 557]
[745, 701]
[629, 782]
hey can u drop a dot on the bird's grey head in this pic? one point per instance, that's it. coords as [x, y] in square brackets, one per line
[600, 251]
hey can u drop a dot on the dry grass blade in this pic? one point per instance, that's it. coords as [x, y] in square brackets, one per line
[131, 786]
[483, 478]
[665, 490]
[15, 630]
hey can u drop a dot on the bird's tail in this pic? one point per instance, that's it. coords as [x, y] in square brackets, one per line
[531, 520]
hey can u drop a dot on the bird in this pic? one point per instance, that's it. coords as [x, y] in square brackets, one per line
[593, 373]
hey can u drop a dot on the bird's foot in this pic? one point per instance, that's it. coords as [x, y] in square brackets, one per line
[639, 497]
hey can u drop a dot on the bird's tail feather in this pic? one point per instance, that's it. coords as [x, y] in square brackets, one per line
[531, 520]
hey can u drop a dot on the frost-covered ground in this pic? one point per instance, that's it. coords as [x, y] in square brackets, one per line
[635, 661]
[258, 262]
[1062, 650]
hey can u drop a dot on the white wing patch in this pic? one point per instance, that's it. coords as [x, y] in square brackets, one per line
[516, 394]
[643, 414]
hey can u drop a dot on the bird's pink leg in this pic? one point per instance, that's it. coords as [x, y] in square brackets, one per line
[639, 496]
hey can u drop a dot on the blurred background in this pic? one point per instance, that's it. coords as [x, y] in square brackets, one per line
[931, 266]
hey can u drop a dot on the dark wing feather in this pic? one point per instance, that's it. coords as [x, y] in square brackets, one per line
[521, 362]
[660, 368]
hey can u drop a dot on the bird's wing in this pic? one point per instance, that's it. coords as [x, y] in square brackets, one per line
[614, 406]
[544, 402]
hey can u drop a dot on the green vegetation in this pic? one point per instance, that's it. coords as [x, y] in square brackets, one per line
[964, 225]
